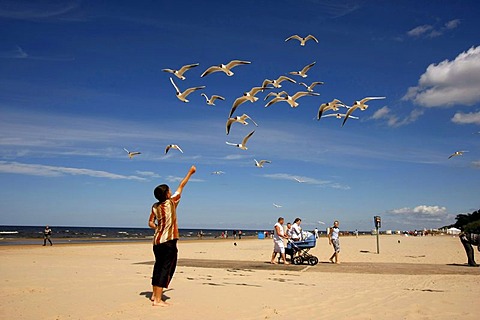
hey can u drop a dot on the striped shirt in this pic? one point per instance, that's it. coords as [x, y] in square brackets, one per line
[165, 214]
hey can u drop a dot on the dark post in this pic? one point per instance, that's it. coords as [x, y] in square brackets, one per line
[378, 224]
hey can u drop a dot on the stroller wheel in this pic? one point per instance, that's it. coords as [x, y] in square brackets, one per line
[297, 260]
[312, 261]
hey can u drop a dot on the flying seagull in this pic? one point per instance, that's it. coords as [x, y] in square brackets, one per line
[131, 154]
[302, 40]
[212, 99]
[290, 99]
[359, 104]
[179, 73]
[242, 145]
[303, 73]
[173, 146]
[310, 87]
[259, 164]
[299, 180]
[321, 222]
[457, 153]
[217, 172]
[340, 116]
[247, 96]
[277, 205]
[332, 105]
[275, 94]
[276, 82]
[226, 68]
[182, 96]
[240, 119]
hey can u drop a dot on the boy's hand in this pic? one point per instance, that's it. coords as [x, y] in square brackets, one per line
[193, 169]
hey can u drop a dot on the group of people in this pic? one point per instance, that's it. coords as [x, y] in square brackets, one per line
[294, 233]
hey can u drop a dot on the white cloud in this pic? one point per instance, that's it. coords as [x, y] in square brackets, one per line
[466, 118]
[420, 30]
[476, 164]
[35, 10]
[55, 171]
[449, 83]
[306, 180]
[148, 174]
[394, 120]
[178, 179]
[421, 213]
[429, 31]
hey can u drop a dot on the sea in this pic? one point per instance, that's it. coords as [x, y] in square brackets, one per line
[23, 235]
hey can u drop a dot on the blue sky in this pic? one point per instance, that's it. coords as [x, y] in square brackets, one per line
[80, 81]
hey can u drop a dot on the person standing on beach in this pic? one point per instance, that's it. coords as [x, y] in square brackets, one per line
[467, 240]
[46, 236]
[333, 239]
[316, 232]
[239, 234]
[296, 233]
[278, 245]
[163, 219]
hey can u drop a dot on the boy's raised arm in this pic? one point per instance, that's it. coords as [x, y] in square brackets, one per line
[185, 180]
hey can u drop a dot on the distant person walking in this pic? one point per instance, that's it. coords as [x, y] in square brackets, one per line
[239, 234]
[316, 232]
[163, 219]
[333, 239]
[234, 235]
[296, 232]
[278, 245]
[47, 233]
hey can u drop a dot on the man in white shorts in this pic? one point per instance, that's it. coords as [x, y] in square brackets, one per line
[278, 245]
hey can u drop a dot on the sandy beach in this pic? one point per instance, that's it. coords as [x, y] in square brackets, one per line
[411, 278]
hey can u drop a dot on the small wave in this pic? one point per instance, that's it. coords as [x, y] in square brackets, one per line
[8, 232]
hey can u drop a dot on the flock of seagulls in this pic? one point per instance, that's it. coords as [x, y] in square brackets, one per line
[275, 97]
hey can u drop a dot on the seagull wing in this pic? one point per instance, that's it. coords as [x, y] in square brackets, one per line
[285, 78]
[235, 63]
[178, 148]
[245, 140]
[210, 70]
[370, 98]
[190, 90]
[248, 117]
[311, 37]
[315, 84]
[308, 67]
[256, 90]
[295, 36]
[275, 100]
[231, 144]
[168, 70]
[300, 94]
[269, 95]
[236, 103]
[204, 95]
[182, 70]
[229, 124]
[126, 150]
[215, 97]
[323, 107]
[347, 115]
[266, 82]
[167, 148]
[174, 85]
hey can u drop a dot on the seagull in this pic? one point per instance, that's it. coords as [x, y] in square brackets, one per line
[275, 94]
[179, 73]
[321, 222]
[310, 87]
[224, 68]
[241, 119]
[339, 116]
[332, 105]
[302, 40]
[212, 99]
[173, 146]
[259, 164]
[291, 99]
[298, 180]
[131, 154]
[247, 96]
[359, 104]
[303, 73]
[242, 145]
[276, 82]
[457, 153]
[182, 96]
[217, 172]
[277, 205]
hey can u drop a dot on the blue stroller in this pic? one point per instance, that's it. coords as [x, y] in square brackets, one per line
[298, 251]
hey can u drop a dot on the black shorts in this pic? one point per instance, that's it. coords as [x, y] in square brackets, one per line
[165, 263]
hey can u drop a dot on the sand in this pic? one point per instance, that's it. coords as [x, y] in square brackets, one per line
[418, 278]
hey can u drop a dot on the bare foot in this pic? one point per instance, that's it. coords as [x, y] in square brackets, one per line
[152, 298]
[285, 262]
[331, 260]
[273, 262]
[160, 303]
